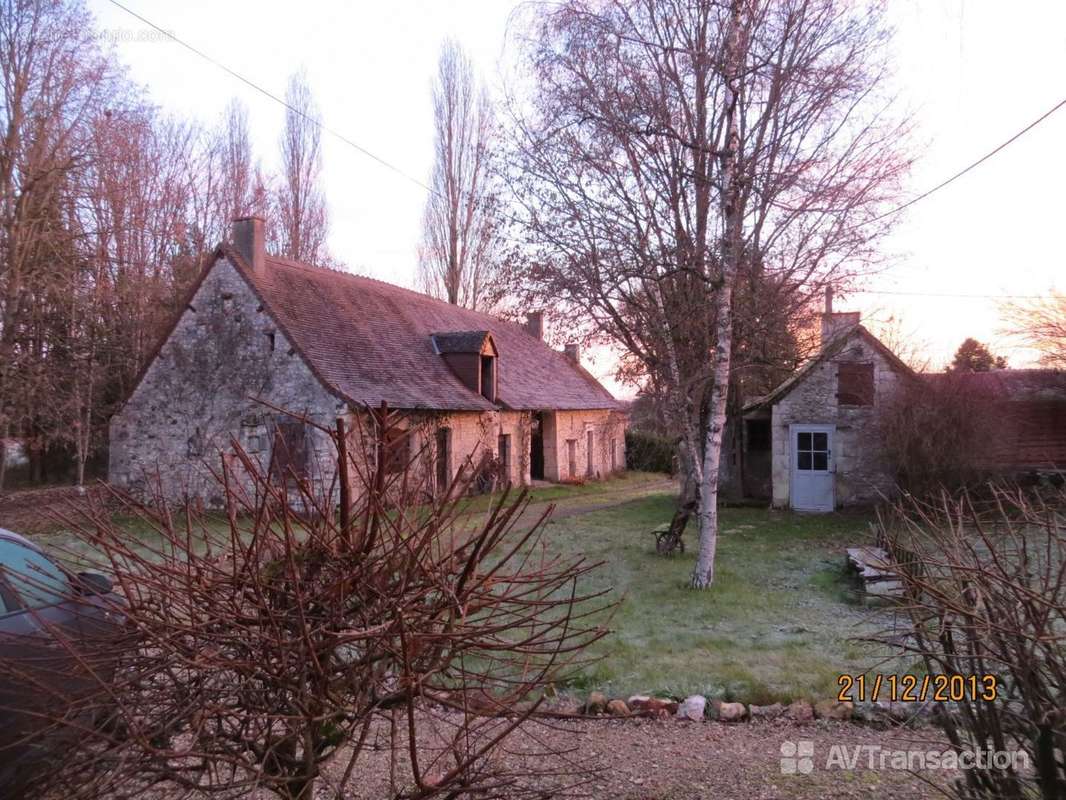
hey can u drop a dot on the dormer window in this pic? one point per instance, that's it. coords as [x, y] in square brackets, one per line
[472, 357]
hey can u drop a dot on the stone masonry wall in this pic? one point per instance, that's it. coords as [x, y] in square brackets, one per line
[472, 434]
[199, 392]
[608, 434]
[861, 472]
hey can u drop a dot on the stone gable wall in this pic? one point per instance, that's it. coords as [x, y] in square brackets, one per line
[861, 471]
[198, 394]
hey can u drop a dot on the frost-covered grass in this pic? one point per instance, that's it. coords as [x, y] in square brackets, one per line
[779, 623]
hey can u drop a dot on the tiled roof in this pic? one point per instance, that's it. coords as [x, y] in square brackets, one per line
[369, 341]
[1010, 384]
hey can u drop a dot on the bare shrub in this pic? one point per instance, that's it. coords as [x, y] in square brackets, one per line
[938, 433]
[986, 596]
[298, 632]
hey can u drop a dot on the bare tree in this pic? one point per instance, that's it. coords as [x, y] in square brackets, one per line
[107, 210]
[459, 254]
[734, 60]
[54, 78]
[315, 624]
[984, 595]
[931, 434]
[677, 157]
[237, 171]
[1041, 324]
[302, 214]
[227, 175]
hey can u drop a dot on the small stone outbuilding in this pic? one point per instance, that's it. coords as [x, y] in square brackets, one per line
[815, 442]
[260, 334]
[812, 444]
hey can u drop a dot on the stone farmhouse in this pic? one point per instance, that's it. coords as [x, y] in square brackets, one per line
[814, 442]
[261, 333]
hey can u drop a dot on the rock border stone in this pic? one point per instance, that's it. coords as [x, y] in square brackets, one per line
[697, 708]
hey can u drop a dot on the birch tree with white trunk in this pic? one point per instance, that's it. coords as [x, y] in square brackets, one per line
[688, 177]
[733, 60]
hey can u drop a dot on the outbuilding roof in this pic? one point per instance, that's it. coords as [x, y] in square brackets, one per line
[828, 350]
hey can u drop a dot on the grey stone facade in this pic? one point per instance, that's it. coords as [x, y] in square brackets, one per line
[203, 390]
[226, 370]
[859, 472]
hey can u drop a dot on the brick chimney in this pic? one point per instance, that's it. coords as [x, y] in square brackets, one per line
[535, 324]
[835, 323]
[573, 352]
[249, 239]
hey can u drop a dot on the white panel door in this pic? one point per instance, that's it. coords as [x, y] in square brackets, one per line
[811, 451]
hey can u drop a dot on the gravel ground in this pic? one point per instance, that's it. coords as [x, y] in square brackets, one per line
[640, 759]
[649, 760]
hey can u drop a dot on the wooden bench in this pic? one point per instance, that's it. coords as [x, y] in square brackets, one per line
[667, 543]
[877, 574]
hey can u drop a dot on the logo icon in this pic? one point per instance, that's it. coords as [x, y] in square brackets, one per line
[797, 757]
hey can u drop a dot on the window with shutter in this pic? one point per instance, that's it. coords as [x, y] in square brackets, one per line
[855, 384]
[290, 453]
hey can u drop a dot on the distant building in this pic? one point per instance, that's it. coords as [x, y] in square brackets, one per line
[814, 442]
[329, 344]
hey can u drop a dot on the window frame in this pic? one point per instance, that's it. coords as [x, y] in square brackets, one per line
[442, 457]
[397, 442]
[487, 376]
[856, 384]
[813, 449]
[284, 435]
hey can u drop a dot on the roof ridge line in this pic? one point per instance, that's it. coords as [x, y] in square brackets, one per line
[302, 265]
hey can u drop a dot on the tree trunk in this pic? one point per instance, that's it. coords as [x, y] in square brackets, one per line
[302, 790]
[703, 573]
[689, 498]
[79, 479]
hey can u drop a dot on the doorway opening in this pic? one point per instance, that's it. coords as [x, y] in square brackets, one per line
[536, 447]
[444, 457]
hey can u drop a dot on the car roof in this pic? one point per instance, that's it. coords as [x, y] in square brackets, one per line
[14, 537]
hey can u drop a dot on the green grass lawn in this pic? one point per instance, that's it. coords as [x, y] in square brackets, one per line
[566, 499]
[779, 622]
[567, 496]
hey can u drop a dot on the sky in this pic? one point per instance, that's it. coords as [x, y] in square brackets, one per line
[972, 74]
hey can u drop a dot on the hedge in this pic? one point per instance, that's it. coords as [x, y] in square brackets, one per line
[647, 452]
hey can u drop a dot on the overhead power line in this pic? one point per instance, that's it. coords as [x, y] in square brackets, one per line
[364, 151]
[972, 165]
[950, 295]
[233, 73]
